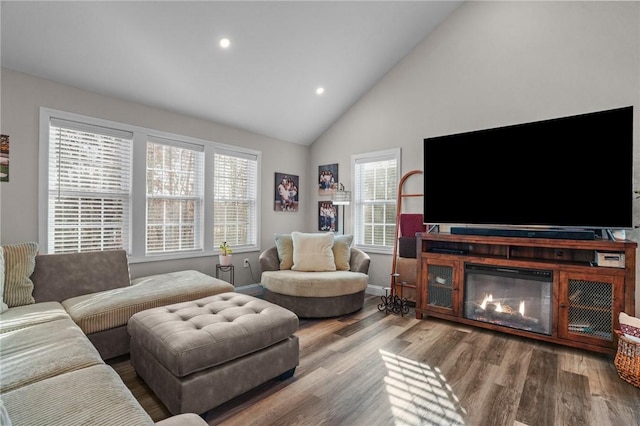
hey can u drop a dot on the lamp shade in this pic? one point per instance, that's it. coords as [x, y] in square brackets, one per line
[341, 198]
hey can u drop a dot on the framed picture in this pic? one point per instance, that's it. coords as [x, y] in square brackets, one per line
[327, 216]
[327, 179]
[286, 192]
[4, 158]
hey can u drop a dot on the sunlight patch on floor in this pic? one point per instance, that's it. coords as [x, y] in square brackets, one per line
[419, 394]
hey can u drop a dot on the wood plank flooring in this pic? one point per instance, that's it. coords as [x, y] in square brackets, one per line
[369, 368]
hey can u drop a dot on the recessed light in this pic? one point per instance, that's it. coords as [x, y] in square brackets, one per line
[224, 42]
[319, 90]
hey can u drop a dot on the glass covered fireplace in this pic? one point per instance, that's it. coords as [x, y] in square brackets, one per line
[511, 297]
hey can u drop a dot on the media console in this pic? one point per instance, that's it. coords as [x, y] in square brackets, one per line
[548, 289]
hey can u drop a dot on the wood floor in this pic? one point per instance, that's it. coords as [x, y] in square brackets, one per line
[369, 368]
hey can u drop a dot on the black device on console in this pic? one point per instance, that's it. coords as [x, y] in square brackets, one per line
[565, 234]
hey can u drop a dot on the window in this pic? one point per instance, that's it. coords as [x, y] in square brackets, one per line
[376, 178]
[235, 199]
[174, 196]
[159, 196]
[88, 187]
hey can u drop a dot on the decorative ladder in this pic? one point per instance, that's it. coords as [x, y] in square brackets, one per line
[393, 301]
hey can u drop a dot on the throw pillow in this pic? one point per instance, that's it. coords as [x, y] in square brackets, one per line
[4, 415]
[284, 245]
[342, 251]
[19, 263]
[3, 306]
[630, 326]
[313, 252]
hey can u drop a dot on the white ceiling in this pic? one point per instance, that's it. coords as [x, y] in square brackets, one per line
[165, 54]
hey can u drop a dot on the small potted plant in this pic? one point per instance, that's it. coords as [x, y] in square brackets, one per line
[225, 254]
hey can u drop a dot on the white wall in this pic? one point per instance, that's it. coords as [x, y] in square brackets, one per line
[493, 64]
[22, 97]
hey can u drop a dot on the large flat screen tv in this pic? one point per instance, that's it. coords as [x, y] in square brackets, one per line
[564, 173]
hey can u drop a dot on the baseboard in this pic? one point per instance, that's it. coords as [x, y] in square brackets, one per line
[375, 290]
[255, 290]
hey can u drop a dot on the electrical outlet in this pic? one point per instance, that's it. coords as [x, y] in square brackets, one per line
[246, 262]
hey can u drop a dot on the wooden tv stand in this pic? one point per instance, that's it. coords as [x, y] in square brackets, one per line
[580, 289]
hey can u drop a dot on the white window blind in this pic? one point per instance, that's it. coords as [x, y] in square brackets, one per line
[375, 199]
[235, 189]
[89, 187]
[107, 185]
[174, 196]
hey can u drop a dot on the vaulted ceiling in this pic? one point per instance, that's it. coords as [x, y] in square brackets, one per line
[166, 54]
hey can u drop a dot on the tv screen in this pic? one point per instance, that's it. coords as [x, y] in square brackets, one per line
[570, 172]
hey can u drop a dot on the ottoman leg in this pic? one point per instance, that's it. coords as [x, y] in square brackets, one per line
[287, 374]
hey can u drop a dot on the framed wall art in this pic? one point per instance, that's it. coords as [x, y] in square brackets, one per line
[4, 158]
[327, 179]
[327, 216]
[286, 192]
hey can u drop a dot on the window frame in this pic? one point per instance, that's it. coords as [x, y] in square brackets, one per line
[359, 204]
[137, 215]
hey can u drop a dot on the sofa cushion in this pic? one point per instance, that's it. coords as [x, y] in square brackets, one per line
[60, 276]
[44, 350]
[193, 336]
[19, 263]
[313, 251]
[112, 308]
[3, 306]
[342, 251]
[284, 245]
[314, 284]
[29, 315]
[89, 396]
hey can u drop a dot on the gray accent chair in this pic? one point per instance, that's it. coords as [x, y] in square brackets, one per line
[316, 294]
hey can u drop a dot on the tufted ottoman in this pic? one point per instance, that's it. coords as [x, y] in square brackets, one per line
[197, 355]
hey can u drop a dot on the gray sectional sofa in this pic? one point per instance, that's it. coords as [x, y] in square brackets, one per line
[52, 349]
[96, 290]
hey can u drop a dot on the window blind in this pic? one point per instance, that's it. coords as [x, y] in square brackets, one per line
[89, 187]
[109, 185]
[235, 189]
[175, 193]
[375, 199]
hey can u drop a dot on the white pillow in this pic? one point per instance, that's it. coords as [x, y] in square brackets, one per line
[342, 251]
[313, 252]
[3, 306]
[630, 326]
[284, 245]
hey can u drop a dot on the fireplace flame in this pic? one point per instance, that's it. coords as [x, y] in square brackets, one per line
[487, 299]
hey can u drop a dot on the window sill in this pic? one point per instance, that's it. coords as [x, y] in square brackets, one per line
[183, 255]
[375, 250]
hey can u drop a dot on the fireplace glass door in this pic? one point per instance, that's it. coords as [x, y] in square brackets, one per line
[511, 297]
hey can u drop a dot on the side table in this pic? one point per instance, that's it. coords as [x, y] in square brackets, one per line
[230, 269]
